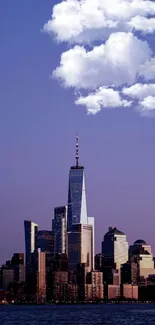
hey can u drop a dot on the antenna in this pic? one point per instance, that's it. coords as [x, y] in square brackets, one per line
[77, 151]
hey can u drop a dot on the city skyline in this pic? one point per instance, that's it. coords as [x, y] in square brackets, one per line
[38, 124]
[76, 159]
[60, 218]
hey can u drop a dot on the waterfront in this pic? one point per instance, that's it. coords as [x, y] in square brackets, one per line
[128, 314]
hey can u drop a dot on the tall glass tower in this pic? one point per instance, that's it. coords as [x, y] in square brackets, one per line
[31, 241]
[77, 207]
[59, 225]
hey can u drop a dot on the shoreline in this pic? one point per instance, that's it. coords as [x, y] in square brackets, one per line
[77, 303]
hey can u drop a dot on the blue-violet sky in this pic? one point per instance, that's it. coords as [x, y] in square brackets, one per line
[85, 67]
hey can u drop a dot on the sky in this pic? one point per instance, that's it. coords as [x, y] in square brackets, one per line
[68, 68]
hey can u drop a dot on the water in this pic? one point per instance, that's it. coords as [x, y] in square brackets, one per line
[78, 315]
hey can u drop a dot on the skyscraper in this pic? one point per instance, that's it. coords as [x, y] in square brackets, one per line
[141, 253]
[91, 222]
[31, 234]
[80, 227]
[80, 246]
[115, 248]
[46, 242]
[59, 227]
[39, 274]
[17, 264]
[77, 208]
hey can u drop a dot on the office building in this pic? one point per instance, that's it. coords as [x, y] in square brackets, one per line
[95, 278]
[39, 274]
[141, 253]
[80, 228]
[94, 288]
[99, 262]
[46, 242]
[112, 292]
[17, 259]
[31, 234]
[72, 292]
[59, 227]
[60, 263]
[129, 291]
[115, 248]
[92, 223]
[80, 246]
[13, 272]
[77, 207]
[129, 273]
[60, 285]
[140, 243]
[7, 277]
[17, 264]
[116, 277]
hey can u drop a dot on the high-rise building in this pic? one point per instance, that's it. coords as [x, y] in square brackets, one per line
[13, 272]
[80, 246]
[77, 208]
[99, 262]
[46, 242]
[60, 284]
[80, 228]
[39, 274]
[59, 227]
[94, 277]
[129, 291]
[94, 288]
[91, 222]
[129, 273]
[31, 234]
[17, 259]
[17, 264]
[60, 263]
[141, 253]
[114, 248]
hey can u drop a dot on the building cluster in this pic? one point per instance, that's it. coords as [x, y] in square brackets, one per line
[61, 266]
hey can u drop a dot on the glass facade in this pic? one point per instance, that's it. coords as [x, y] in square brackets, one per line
[59, 227]
[31, 235]
[80, 227]
[80, 246]
[77, 210]
[46, 242]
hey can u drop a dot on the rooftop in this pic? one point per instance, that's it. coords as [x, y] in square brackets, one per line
[140, 242]
[114, 231]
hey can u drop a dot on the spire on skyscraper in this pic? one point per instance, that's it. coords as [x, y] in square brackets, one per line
[77, 151]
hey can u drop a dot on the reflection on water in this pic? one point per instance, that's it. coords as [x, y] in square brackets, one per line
[150, 311]
[78, 315]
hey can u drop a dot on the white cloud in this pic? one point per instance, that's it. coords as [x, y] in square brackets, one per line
[148, 103]
[74, 21]
[90, 20]
[117, 62]
[146, 25]
[147, 106]
[110, 59]
[102, 98]
[144, 95]
[147, 70]
[139, 91]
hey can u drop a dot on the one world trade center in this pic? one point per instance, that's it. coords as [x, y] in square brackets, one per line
[77, 207]
[80, 227]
